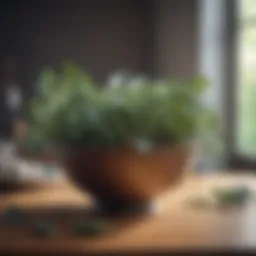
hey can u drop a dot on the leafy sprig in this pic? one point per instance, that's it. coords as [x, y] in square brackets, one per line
[70, 108]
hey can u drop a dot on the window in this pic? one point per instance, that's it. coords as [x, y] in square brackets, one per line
[246, 78]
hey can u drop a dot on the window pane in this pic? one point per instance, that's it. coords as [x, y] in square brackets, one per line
[247, 9]
[247, 90]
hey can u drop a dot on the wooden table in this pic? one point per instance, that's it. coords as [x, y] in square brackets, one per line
[174, 227]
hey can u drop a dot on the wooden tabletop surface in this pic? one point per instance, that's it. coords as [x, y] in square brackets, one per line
[174, 226]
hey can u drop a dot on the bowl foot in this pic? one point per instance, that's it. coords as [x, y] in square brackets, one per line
[112, 207]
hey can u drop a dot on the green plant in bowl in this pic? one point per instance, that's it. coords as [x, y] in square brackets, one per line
[127, 140]
[71, 109]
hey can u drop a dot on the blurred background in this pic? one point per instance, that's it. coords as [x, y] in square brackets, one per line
[180, 38]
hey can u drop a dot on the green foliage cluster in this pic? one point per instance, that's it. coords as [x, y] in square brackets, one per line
[71, 109]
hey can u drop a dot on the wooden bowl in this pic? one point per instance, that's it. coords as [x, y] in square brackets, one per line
[122, 179]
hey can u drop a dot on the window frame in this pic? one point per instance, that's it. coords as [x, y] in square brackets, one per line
[235, 159]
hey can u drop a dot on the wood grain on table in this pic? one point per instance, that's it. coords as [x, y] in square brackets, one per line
[174, 226]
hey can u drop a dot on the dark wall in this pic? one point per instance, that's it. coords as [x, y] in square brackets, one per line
[150, 36]
[101, 36]
[153, 37]
[176, 37]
